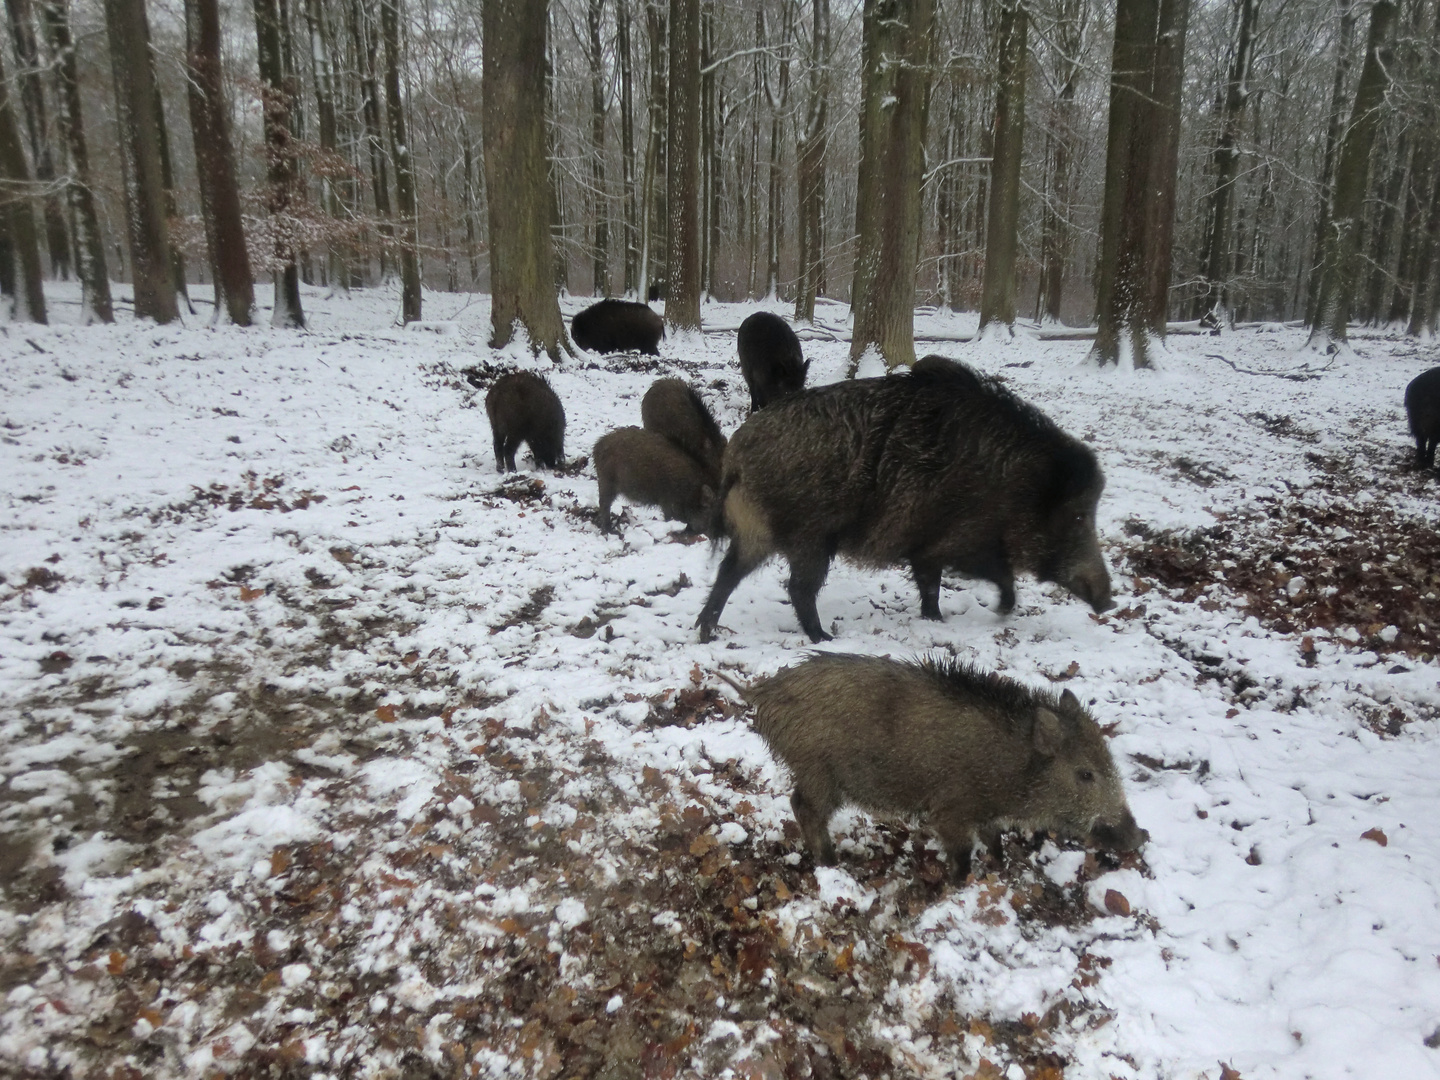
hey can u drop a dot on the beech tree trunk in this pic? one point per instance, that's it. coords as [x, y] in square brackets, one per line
[810, 165]
[143, 173]
[682, 174]
[997, 297]
[517, 176]
[37, 127]
[95, 302]
[279, 163]
[1055, 226]
[599, 204]
[654, 219]
[627, 146]
[1352, 168]
[404, 171]
[895, 87]
[15, 196]
[215, 165]
[778, 100]
[1138, 207]
[1344, 57]
[366, 46]
[325, 83]
[1212, 305]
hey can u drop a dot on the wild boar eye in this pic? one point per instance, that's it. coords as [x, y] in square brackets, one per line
[1085, 776]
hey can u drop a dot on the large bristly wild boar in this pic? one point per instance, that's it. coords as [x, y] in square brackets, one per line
[770, 359]
[942, 468]
[618, 326]
[649, 468]
[1422, 406]
[522, 408]
[973, 751]
[673, 409]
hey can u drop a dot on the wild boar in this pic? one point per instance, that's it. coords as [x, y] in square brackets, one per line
[673, 409]
[523, 408]
[770, 359]
[649, 468]
[618, 326]
[1422, 407]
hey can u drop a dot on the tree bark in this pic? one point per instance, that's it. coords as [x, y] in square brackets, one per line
[32, 97]
[1055, 227]
[1138, 207]
[1426, 284]
[810, 165]
[653, 215]
[895, 87]
[682, 173]
[279, 163]
[1352, 167]
[215, 164]
[599, 204]
[28, 288]
[404, 170]
[627, 146]
[997, 296]
[95, 302]
[143, 174]
[366, 46]
[1344, 57]
[778, 100]
[325, 84]
[516, 176]
[1212, 306]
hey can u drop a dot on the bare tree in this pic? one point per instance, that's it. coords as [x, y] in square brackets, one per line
[19, 215]
[997, 299]
[37, 129]
[279, 162]
[810, 164]
[404, 171]
[682, 176]
[215, 165]
[144, 177]
[516, 176]
[895, 82]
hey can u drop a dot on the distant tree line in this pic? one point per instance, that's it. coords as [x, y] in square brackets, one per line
[1127, 164]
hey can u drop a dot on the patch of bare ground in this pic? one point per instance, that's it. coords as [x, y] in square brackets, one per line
[1355, 554]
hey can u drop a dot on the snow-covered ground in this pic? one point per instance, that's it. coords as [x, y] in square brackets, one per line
[328, 748]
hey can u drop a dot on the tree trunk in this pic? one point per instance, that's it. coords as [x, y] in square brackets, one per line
[32, 97]
[1352, 167]
[1055, 228]
[167, 176]
[24, 251]
[325, 82]
[279, 163]
[895, 87]
[366, 46]
[778, 100]
[810, 165]
[1212, 306]
[558, 245]
[1344, 57]
[516, 176]
[143, 174]
[1138, 207]
[682, 173]
[627, 147]
[707, 143]
[1426, 282]
[1382, 236]
[404, 170]
[95, 303]
[997, 297]
[599, 204]
[653, 216]
[215, 164]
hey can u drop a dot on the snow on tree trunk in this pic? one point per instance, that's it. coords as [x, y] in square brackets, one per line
[404, 170]
[682, 174]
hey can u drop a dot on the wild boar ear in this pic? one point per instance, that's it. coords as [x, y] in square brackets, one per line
[1048, 734]
[1069, 702]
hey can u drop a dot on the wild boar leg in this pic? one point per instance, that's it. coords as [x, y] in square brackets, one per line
[733, 570]
[807, 574]
[927, 578]
[956, 826]
[812, 813]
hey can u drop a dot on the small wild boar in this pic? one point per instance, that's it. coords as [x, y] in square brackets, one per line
[974, 752]
[673, 409]
[940, 468]
[649, 468]
[1422, 406]
[770, 359]
[618, 326]
[522, 408]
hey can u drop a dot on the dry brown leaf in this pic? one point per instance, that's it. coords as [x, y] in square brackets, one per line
[1377, 835]
[386, 713]
[247, 594]
[1115, 903]
[1227, 1073]
[117, 962]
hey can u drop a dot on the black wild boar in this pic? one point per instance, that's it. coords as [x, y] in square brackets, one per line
[649, 468]
[770, 359]
[522, 408]
[940, 468]
[618, 326]
[673, 409]
[1422, 406]
[973, 751]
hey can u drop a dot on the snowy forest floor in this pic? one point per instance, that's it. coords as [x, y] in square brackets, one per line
[326, 750]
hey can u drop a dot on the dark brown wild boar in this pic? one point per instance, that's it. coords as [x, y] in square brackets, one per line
[770, 359]
[523, 408]
[618, 326]
[974, 752]
[649, 468]
[1422, 408]
[942, 468]
[673, 409]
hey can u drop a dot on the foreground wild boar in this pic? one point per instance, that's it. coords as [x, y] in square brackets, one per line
[939, 468]
[770, 359]
[649, 468]
[522, 408]
[673, 409]
[974, 752]
[618, 326]
[1422, 406]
